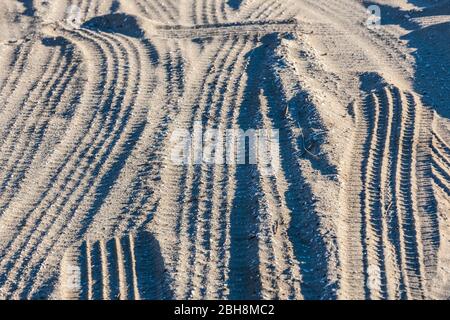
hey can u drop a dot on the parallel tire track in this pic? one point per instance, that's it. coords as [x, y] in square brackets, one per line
[20, 58]
[191, 112]
[157, 10]
[202, 208]
[119, 98]
[390, 194]
[128, 130]
[123, 268]
[32, 133]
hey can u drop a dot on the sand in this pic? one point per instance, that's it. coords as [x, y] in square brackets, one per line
[92, 206]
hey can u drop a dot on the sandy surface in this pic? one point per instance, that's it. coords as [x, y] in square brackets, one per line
[93, 207]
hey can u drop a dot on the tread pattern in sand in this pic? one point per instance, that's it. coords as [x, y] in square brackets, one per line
[391, 205]
[87, 115]
[124, 268]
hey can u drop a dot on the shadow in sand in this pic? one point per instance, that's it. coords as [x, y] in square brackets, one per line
[433, 66]
[436, 7]
[432, 50]
[235, 4]
[122, 24]
[244, 277]
[153, 281]
[55, 42]
[304, 229]
[115, 23]
[29, 8]
[309, 248]
[115, 6]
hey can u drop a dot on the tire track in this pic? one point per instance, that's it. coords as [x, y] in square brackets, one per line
[130, 267]
[244, 279]
[113, 117]
[223, 181]
[427, 205]
[222, 10]
[201, 209]
[20, 58]
[141, 199]
[302, 269]
[409, 219]
[258, 11]
[74, 274]
[119, 201]
[156, 10]
[198, 211]
[353, 252]
[381, 42]
[441, 172]
[18, 93]
[173, 177]
[169, 171]
[194, 14]
[197, 110]
[203, 16]
[274, 13]
[33, 133]
[100, 82]
[397, 211]
[38, 221]
[372, 199]
[8, 58]
[137, 117]
[213, 11]
[130, 129]
[276, 249]
[37, 89]
[171, 8]
[440, 162]
[136, 208]
[221, 205]
[89, 122]
[396, 282]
